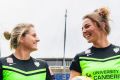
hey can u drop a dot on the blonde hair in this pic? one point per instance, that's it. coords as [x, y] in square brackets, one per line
[20, 30]
[100, 15]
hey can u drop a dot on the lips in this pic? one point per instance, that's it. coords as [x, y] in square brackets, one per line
[88, 35]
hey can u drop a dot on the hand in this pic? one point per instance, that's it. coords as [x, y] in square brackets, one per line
[81, 78]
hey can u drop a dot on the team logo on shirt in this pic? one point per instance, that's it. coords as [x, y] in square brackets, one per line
[37, 64]
[116, 50]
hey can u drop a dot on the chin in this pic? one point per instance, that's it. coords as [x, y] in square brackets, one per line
[34, 49]
[89, 41]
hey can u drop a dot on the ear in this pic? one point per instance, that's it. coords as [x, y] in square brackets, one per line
[103, 26]
[21, 39]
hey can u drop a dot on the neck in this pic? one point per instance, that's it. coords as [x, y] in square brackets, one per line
[22, 54]
[101, 43]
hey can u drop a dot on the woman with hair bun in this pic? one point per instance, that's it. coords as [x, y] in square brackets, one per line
[20, 65]
[102, 60]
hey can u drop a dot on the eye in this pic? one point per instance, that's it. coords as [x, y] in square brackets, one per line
[85, 26]
[34, 35]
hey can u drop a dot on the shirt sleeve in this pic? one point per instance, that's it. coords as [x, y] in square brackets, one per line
[1, 71]
[75, 64]
[48, 74]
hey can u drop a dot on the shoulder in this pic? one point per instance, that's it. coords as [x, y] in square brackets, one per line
[115, 46]
[41, 62]
[79, 54]
[2, 58]
[5, 60]
[84, 53]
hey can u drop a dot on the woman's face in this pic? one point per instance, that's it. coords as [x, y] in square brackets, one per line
[90, 31]
[30, 40]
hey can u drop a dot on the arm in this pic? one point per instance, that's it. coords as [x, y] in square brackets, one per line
[52, 74]
[75, 68]
[73, 74]
[48, 74]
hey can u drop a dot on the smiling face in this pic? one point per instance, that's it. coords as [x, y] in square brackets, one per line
[90, 31]
[29, 41]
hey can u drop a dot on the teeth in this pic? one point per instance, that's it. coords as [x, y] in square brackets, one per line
[87, 36]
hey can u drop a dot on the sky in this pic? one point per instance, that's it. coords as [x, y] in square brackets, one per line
[48, 17]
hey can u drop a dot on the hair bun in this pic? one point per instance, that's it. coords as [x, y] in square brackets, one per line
[104, 12]
[7, 35]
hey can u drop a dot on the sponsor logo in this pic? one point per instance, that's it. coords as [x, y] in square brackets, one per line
[10, 61]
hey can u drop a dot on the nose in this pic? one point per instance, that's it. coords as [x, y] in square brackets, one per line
[83, 30]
